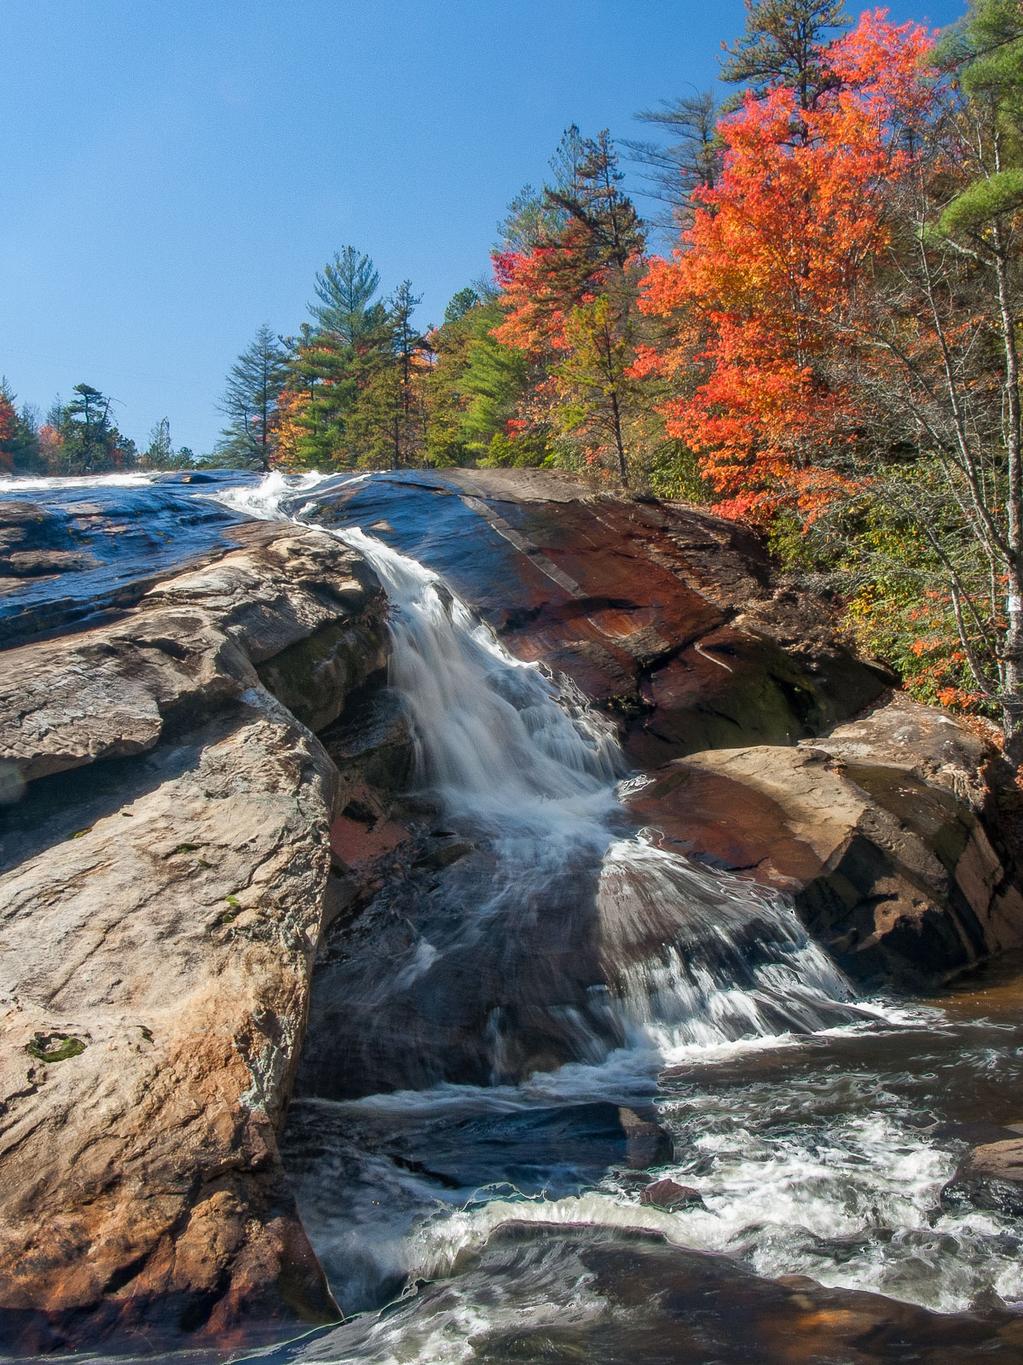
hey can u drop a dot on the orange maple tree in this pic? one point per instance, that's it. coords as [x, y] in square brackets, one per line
[569, 301]
[769, 265]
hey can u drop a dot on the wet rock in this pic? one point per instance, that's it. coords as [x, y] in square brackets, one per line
[554, 1293]
[990, 1177]
[883, 832]
[442, 851]
[39, 563]
[185, 476]
[297, 606]
[166, 879]
[35, 543]
[670, 1196]
[373, 737]
[647, 1142]
[83, 554]
[665, 616]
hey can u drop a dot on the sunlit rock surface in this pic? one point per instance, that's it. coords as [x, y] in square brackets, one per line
[886, 833]
[166, 878]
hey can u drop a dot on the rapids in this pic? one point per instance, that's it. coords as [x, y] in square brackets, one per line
[818, 1128]
[517, 1040]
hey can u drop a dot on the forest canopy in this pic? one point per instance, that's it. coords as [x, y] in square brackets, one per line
[815, 330]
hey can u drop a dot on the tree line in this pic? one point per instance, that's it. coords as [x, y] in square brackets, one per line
[78, 437]
[828, 346]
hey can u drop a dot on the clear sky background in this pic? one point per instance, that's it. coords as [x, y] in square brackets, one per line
[175, 173]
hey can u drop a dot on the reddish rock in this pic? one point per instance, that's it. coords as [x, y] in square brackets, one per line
[670, 1196]
[663, 615]
[360, 843]
[884, 834]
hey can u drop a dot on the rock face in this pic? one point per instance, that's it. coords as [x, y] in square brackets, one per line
[883, 819]
[991, 1177]
[74, 551]
[883, 832]
[34, 543]
[553, 1293]
[664, 616]
[167, 874]
[176, 840]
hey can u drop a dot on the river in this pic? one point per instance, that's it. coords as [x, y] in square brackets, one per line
[648, 1018]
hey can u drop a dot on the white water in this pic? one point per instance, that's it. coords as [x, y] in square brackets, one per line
[700, 968]
[693, 958]
[45, 484]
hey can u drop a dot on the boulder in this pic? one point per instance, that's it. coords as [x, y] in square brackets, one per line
[990, 1177]
[670, 1196]
[545, 1292]
[297, 607]
[165, 878]
[883, 832]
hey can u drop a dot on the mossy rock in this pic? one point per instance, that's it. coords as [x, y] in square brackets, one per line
[54, 1047]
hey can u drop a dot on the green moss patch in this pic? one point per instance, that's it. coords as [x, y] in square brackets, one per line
[54, 1047]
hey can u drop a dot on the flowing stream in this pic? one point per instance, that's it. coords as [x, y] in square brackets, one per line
[535, 1031]
[818, 1128]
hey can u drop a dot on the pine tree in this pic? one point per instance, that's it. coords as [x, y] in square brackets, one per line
[346, 290]
[570, 302]
[319, 394]
[786, 44]
[461, 303]
[475, 391]
[88, 441]
[409, 346]
[689, 161]
[254, 382]
[160, 452]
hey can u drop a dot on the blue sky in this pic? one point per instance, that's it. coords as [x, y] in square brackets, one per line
[175, 173]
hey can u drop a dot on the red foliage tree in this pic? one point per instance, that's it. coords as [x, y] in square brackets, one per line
[8, 426]
[770, 264]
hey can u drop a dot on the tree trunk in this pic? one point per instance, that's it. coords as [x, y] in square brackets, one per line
[1012, 658]
[616, 421]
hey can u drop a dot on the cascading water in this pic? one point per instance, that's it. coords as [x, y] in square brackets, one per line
[689, 957]
[603, 960]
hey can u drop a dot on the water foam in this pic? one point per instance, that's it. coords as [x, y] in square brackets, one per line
[701, 968]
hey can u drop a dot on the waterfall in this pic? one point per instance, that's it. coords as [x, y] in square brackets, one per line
[687, 956]
[510, 1020]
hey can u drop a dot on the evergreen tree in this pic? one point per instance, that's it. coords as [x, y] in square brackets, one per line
[409, 345]
[346, 290]
[785, 44]
[594, 199]
[89, 442]
[320, 392]
[254, 382]
[460, 304]
[688, 162]
[475, 390]
[160, 452]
